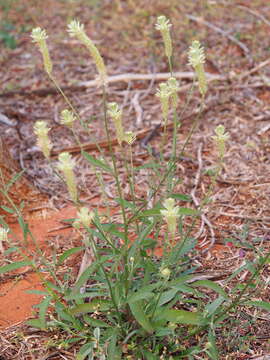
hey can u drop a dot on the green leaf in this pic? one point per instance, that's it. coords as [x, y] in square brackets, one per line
[14, 179]
[214, 305]
[148, 166]
[95, 322]
[181, 249]
[114, 353]
[84, 351]
[36, 292]
[139, 295]
[43, 307]
[37, 323]
[14, 266]
[125, 203]
[149, 356]
[24, 227]
[181, 317]
[8, 209]
[68, 253]
[94, 305]
[151, 212]
[188, 211]
[181, 197]
[11, 250]
[211, 285]
[97, 163]
[211, 349]
[260, 304]
[137, 243]
[140, 316]
[87, 273]
[167, 296]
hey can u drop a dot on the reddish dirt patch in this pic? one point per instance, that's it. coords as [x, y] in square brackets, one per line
[15, 302]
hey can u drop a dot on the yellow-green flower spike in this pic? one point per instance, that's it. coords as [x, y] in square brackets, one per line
[39, 37]
[196, 60]
[163, 25]
[164, 93]
[170, 213]
[41, 131]
[173, 88]
[66, 165]
[220, 139]
[3, 238]
[67, 118]
[85, 216]
[77, 30]
[116, 114]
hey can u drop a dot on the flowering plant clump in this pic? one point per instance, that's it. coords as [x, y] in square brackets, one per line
[41, 131]
[131, 297]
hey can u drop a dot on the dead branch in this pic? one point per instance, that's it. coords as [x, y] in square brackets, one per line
[113, 79]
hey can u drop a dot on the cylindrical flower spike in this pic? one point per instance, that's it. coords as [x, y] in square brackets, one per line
[164, 94]
[170, 213]
[77, 30]
[197, 59]
[220, 140]
[66, 165]
[41, 131]
[3, 238]
[39, 37]
[163, 25]
[116, 114]
[85, 217]
[67, 118]
[173, 87]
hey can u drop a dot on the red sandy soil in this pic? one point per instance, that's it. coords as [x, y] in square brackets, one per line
[17, 304]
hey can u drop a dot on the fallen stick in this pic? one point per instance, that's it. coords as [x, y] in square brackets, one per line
[81, 86]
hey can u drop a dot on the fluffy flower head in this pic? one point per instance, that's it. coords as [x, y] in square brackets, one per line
[65, 162]
[196, 54]
[75, 28]
[85, 216]
[67, 118]
[38, 35]
[163, 24]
